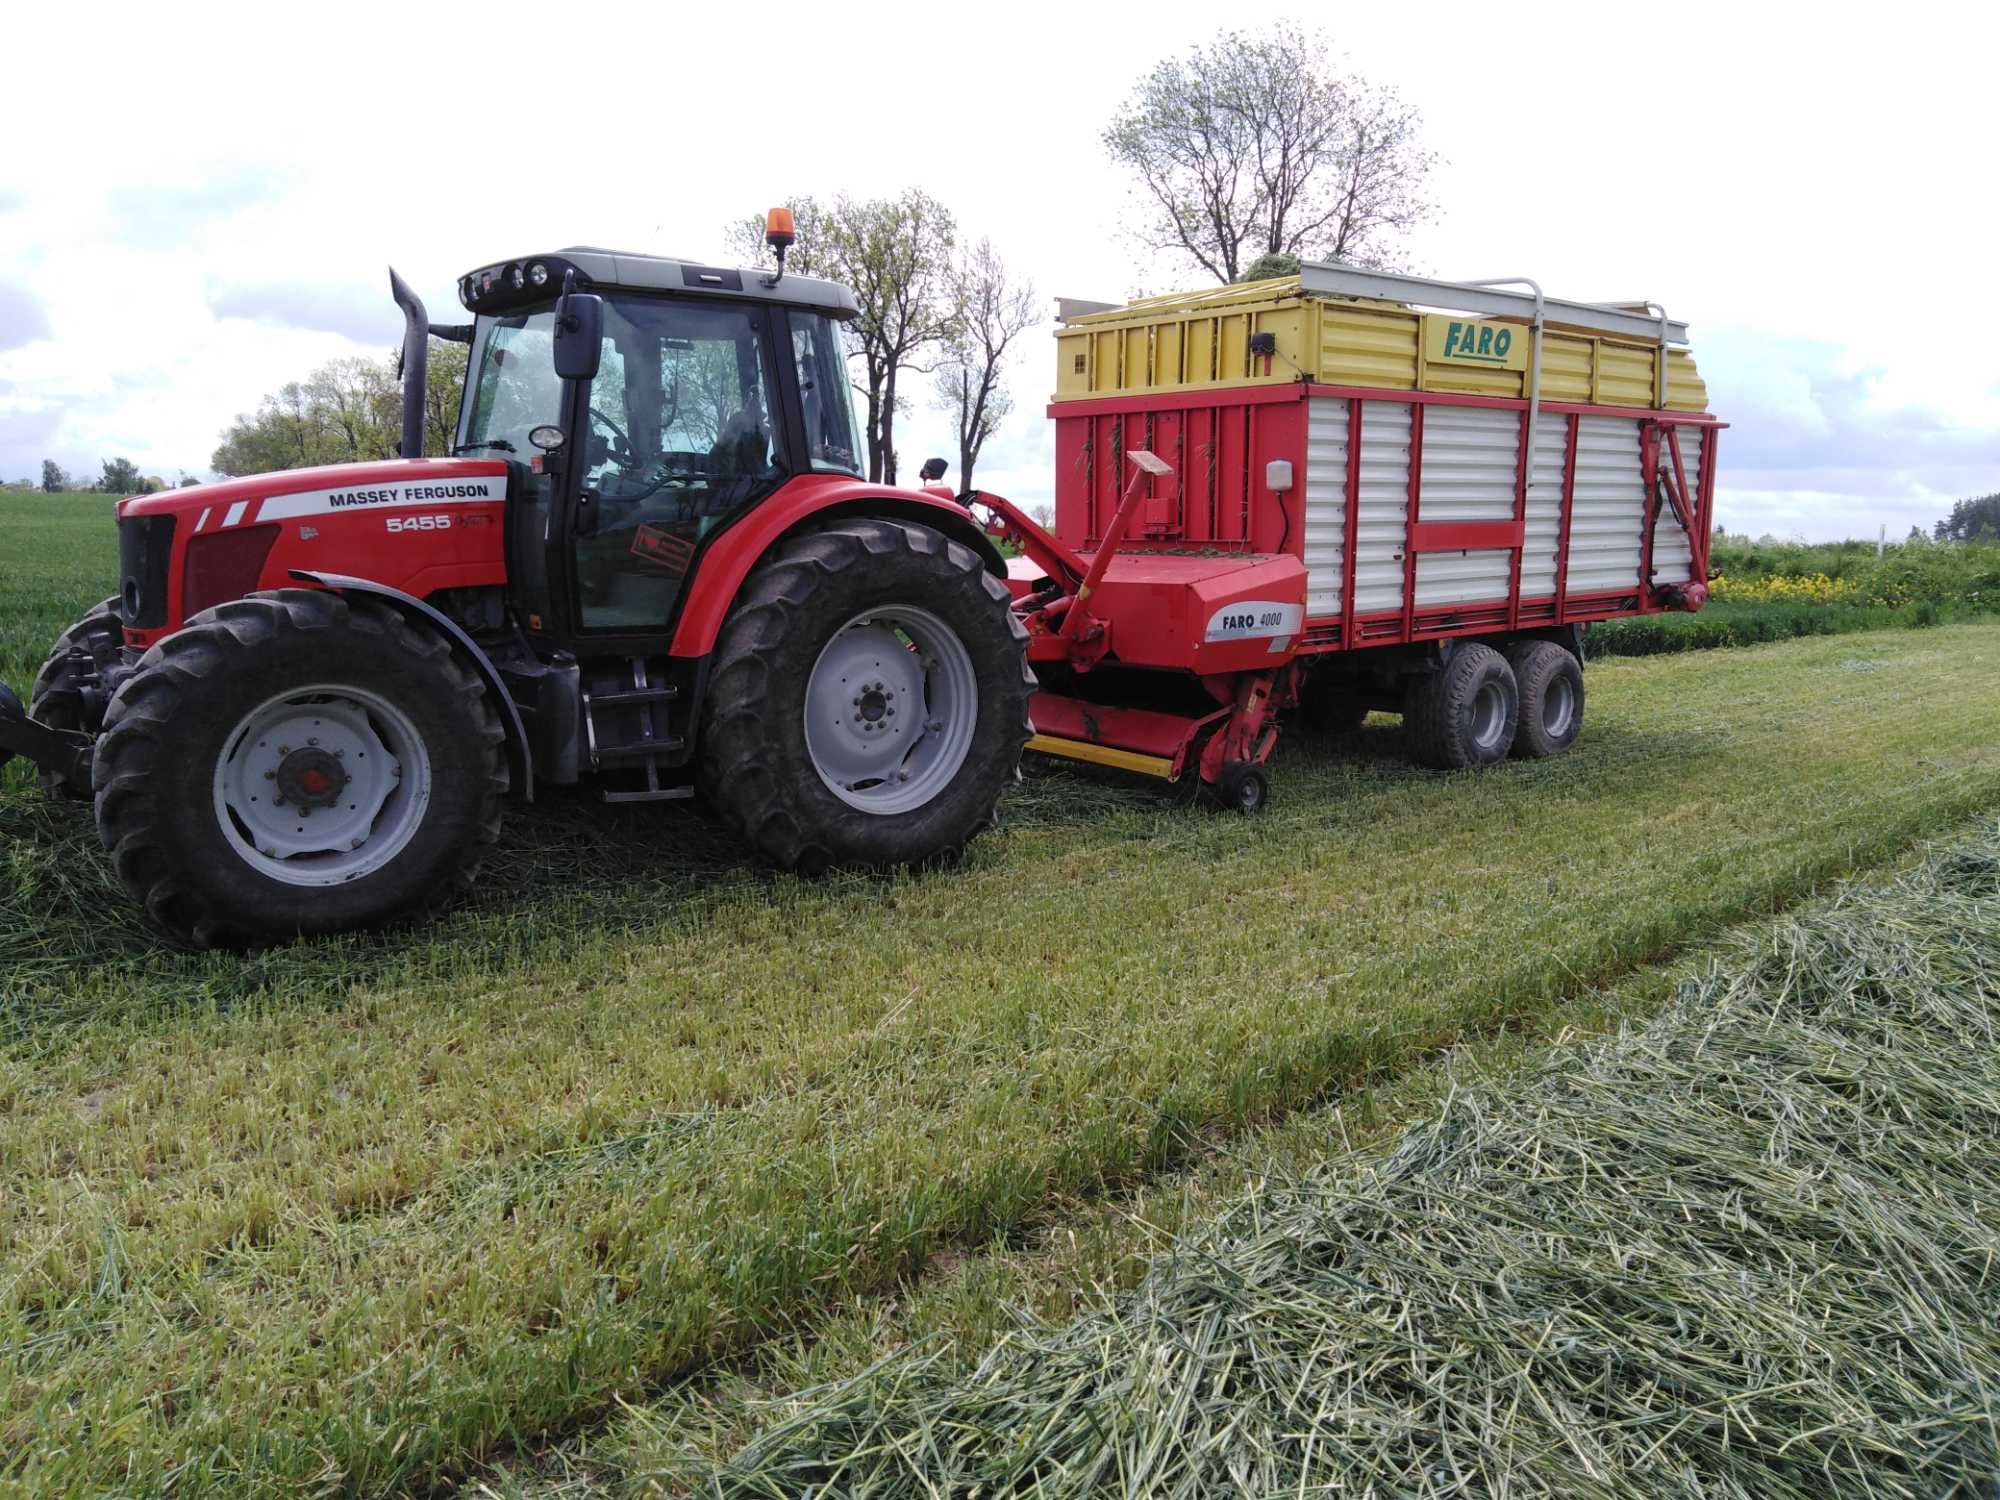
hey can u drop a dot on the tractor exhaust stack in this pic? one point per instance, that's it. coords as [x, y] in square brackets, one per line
[415, 361]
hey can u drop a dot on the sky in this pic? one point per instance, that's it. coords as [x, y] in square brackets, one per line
[209, 204]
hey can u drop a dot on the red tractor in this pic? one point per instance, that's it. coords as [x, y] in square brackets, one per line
[654, 559]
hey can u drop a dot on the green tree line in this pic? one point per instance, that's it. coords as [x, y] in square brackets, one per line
[346, 411]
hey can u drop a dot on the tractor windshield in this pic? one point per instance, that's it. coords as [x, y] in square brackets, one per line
[512, 383]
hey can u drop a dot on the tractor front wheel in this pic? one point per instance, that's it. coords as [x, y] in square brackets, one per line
[296, 763]
[68, 688]
[869, 699]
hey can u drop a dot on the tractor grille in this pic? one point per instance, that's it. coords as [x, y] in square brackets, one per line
[145, 547]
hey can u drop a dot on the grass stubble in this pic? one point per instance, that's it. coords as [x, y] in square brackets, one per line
[358, 1215]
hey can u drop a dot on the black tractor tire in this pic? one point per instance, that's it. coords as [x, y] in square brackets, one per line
[755, 766]
[1551, 685]
[179, 712]
[101, 634]
[1465, 713]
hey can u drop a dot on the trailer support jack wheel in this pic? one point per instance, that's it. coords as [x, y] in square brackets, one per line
[1241, 787]
[1246, 738]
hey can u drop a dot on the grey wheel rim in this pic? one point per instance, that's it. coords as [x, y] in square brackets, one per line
[1558, 707]
[1489, 716]
[890, 709]
[322, 785]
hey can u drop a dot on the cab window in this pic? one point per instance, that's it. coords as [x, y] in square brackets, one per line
[682, 433]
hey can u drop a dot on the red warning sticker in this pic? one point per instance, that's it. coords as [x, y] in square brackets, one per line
[659, 548]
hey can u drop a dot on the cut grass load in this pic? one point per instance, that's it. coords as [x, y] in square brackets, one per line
[358, 1214]
[1749, 1248]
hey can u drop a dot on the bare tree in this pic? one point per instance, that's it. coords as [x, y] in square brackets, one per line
[895, 255]
[1253, 146]
[994, 310]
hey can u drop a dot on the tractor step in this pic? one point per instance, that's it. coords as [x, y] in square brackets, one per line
[627, 697]
[653, 794]
[636, 751]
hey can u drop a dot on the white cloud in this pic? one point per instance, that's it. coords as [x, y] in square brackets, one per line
[1797, 187]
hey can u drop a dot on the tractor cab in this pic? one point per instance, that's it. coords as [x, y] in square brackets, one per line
[644, 403]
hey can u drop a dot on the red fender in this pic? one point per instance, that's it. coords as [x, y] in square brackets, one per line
[732, 555]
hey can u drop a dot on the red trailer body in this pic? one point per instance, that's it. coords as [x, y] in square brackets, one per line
[1303, 531]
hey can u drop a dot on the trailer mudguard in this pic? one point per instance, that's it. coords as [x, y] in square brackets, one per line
[517, 734]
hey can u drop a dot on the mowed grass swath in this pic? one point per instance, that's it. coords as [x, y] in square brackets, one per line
[356, 1214]
[1749, 1248]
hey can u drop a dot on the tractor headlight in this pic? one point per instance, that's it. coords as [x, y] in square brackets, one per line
[518, 277]
[539, 275]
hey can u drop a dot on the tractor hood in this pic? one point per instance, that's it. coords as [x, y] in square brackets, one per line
[415, 525]
[328, 488]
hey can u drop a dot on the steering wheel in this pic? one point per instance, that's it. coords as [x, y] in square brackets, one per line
[621, 453]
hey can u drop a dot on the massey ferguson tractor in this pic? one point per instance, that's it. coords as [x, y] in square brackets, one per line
[653, 563]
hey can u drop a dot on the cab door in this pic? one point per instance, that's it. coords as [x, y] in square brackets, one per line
[682, 431]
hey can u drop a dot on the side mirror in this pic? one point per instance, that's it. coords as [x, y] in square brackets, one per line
[579, 335]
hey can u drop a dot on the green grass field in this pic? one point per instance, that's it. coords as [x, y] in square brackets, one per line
[360, 1214]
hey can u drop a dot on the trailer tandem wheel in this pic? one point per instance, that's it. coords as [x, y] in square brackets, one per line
[1465, 713]
[1551, 687]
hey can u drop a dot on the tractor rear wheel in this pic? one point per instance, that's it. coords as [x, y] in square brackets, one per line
[869, 699]
[295, 763]
[60, 697]
[1465, 713]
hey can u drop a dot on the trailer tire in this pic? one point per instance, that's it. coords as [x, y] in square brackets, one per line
[180, 761]
[823, 607]
[101, 635]
[1465, 713]
[1551, 687]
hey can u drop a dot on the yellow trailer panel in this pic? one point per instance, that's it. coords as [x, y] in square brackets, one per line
[1193, 340]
